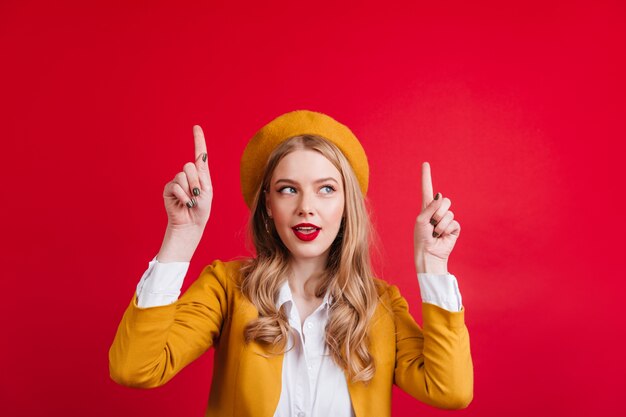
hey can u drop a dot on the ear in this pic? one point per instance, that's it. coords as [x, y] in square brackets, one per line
[267, 207]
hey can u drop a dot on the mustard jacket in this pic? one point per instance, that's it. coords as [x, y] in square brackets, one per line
[432, 364]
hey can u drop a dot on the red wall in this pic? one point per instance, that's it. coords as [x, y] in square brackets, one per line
[519, 108]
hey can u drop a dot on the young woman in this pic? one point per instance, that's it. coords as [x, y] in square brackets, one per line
[303, 328]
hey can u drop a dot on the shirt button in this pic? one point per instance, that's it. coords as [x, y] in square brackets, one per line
[301, 414]
[310, 325]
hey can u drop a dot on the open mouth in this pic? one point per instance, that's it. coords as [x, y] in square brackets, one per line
[306, 233]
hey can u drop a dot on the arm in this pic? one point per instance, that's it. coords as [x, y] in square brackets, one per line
[441, 290]
[160, 284]
[433, 365]
[153, 344]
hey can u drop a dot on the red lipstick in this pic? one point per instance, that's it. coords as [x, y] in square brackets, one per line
[306, 231]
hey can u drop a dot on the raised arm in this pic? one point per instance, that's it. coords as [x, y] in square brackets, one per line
[152, 344]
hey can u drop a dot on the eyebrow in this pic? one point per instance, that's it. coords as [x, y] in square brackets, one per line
[297, 183]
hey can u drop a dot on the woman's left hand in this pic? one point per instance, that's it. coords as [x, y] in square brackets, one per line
[436, 231]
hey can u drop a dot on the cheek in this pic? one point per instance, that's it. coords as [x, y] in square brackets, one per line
[336, 212]
[281, 215]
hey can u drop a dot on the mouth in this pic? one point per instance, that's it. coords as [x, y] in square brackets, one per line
[306, 232]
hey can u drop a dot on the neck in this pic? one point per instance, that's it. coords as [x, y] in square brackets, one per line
[305, 276]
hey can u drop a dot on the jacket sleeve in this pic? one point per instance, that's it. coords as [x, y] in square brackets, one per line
[153, 344]
[433, 365]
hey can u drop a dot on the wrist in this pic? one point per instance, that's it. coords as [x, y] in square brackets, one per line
[179, 246]
[430, 265]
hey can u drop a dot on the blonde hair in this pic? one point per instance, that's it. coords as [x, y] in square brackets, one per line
[348, 275]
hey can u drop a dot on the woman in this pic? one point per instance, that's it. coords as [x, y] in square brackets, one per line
[303, 328]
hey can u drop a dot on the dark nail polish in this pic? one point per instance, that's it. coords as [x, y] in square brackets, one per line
[435, 234]
[437, 196]
[196, 191]
[204, 157]
[433, 222]
[189, 204]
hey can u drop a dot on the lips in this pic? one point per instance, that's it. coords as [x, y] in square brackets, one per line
[306, 231]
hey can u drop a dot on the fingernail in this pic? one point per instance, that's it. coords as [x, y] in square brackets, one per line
[437, 196]
[435, 234]
[204, 157]
[194, 201]
[189, 204]
[196, 191]
[433, 222]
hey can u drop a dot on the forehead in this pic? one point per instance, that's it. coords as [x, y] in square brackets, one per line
[304, 164]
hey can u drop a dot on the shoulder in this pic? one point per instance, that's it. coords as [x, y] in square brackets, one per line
[225, 270]
[389, 295]
[385, 290]
[218, 285]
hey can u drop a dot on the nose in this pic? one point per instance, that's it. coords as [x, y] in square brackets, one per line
[305, 205]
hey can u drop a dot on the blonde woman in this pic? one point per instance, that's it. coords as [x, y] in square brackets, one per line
[303, 328]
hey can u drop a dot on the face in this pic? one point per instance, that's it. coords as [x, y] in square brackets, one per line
[306, 188]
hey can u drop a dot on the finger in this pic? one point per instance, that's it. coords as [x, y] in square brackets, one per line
[181, 180]
[202, 162]
[454, 229]
[427, 213]
[174, 189]
[199, 141]
[427, 185]
[192, 178]
[441, 227]
[440, 211]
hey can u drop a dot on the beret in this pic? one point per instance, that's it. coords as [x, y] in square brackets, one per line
[294, 123]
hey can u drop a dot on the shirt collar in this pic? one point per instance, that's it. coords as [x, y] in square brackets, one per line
[285, 295]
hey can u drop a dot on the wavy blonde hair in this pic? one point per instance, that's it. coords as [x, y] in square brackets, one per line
[348, 274]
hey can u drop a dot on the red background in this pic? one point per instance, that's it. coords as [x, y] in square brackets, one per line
[519, 108]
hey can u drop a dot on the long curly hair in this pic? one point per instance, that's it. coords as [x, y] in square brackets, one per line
[348, 273]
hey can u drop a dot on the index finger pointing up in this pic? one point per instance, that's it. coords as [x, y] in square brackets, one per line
[200, 142]
[427, 185]
[202, 165]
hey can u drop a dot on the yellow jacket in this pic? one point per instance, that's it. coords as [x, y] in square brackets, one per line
[432, 364]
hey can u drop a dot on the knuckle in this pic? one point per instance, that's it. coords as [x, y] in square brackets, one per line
[189, 166]
[175, 188]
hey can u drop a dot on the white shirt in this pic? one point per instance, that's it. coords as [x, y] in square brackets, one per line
[312, 384]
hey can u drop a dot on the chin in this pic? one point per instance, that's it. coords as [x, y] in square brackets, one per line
[311, 253]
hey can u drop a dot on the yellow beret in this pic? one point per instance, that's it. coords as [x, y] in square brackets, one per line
[294, 123]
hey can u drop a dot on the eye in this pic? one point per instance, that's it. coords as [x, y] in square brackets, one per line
[330, 189]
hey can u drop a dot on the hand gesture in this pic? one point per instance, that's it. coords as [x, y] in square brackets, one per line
[189, 195]
[435, 230]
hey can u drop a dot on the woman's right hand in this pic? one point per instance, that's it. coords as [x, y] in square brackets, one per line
[188, 211]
